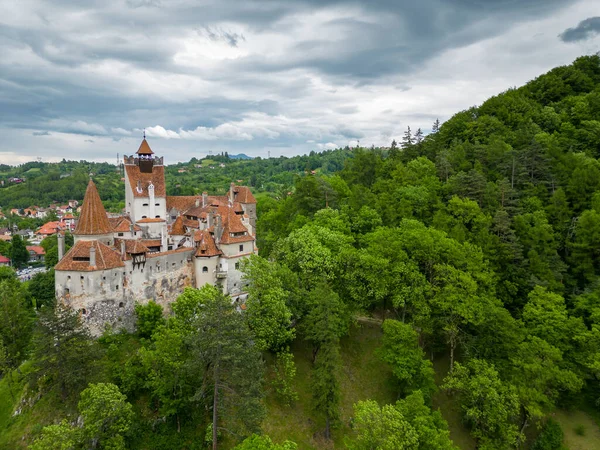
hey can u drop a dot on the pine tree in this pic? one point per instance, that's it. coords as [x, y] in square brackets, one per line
[229, 361]
[407, 140]
[64, 351]
[326, 384]
[436, 126]
[418, 136]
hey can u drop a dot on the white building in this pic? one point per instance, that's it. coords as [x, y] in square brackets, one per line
[160, 246]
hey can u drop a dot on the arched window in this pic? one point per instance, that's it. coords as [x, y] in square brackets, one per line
[205, 269]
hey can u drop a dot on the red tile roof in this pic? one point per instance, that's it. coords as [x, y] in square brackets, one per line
[157, 178]
[144, 148]
[93, 219]
[4, 259]
[52, 227]
[39, 250]
[177, 228]
[122, 224]
[243, 194]
[206, 246]
[151, 220]
[77, 259]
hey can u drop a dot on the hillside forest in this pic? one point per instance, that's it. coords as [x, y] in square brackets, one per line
[440, 293]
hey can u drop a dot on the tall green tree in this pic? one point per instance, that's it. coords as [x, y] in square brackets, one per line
[19, 254]
[15, 321]
[325, 383]
[229, 362]
[65, 355]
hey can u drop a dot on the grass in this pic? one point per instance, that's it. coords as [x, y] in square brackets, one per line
[363, 376]
[581, 431]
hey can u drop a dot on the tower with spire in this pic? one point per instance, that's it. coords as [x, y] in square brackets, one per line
[145, 191]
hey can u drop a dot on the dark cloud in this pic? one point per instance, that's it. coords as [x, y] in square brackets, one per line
[584, 30]
[40, 133]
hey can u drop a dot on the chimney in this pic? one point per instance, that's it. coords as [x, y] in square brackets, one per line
[61, 246]
[139, 186]
[218, 229]
[231, 193]
[122, 249]
[131, 230]
[197, 202]
[92, 256]
[210, 219]
[204, 199]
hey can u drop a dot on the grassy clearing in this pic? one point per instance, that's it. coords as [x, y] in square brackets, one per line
[363, 376]
[573, 424]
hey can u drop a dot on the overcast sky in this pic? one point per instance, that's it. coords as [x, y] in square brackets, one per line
[284, 77]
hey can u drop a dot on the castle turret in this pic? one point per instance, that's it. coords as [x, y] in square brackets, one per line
[93, 223]
[145, 157]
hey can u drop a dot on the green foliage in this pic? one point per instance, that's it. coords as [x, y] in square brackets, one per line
[409, 424]
[326, 385]
[15, 322]
[107, 416]
[64, 353]
[18, 252]
[550, 438]
[489, 405]
[256, 442]
[268, 314]
[285, 373]
[149, 318]
[400, 349]
[41, 288]
[58, 437]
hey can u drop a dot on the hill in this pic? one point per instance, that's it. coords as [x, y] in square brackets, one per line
[456, 271]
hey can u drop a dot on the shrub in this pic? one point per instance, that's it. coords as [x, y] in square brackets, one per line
[550, 438]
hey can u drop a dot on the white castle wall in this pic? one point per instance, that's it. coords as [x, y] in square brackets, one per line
[109, 296]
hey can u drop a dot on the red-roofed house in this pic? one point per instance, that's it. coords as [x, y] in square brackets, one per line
[36, 253]
[4, 261]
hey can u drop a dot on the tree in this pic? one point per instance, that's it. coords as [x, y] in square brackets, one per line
[15, 321]
[64, 352]
[41, 287]
[267, 312]
[107, 416]
[58, 437]
[489, 406]
[436, 126]
[325, 383]
[400, 349]
[407, 139]
[149, 318]
[224, 354]
[418, 138]
[409, 424]
[285, 372]
[256, 442]
[19, 254]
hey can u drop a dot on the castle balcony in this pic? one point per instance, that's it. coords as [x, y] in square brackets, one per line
[221, 274]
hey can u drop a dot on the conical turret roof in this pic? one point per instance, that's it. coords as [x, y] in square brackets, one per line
[93, 219]
[145, 148]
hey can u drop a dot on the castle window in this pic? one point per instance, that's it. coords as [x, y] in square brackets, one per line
[237, 266]
[241, 248]
[81, 277]
[157, 204]
[205, 269]
[158, 217]
[117, 287]
[120, 234]
[145, 204]
[104, 278]
[68, 277]
[144, 217]
[121, 304]
[67, 291]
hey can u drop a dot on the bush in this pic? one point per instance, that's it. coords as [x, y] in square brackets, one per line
[580, 430]
[149, 317]
[550, 438]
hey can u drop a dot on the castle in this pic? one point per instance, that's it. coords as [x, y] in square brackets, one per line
[161, 245]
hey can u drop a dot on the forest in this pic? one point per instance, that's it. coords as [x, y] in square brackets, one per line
[441, 293]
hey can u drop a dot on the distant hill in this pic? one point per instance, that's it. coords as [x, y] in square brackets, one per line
[240, 156]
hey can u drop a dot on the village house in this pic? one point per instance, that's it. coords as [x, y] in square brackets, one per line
[36, 253]
[159, 246]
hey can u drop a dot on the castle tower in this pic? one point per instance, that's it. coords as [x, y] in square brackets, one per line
[93, 223]
[145, 191]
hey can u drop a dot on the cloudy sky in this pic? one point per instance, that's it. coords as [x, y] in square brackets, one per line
[284, 77]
